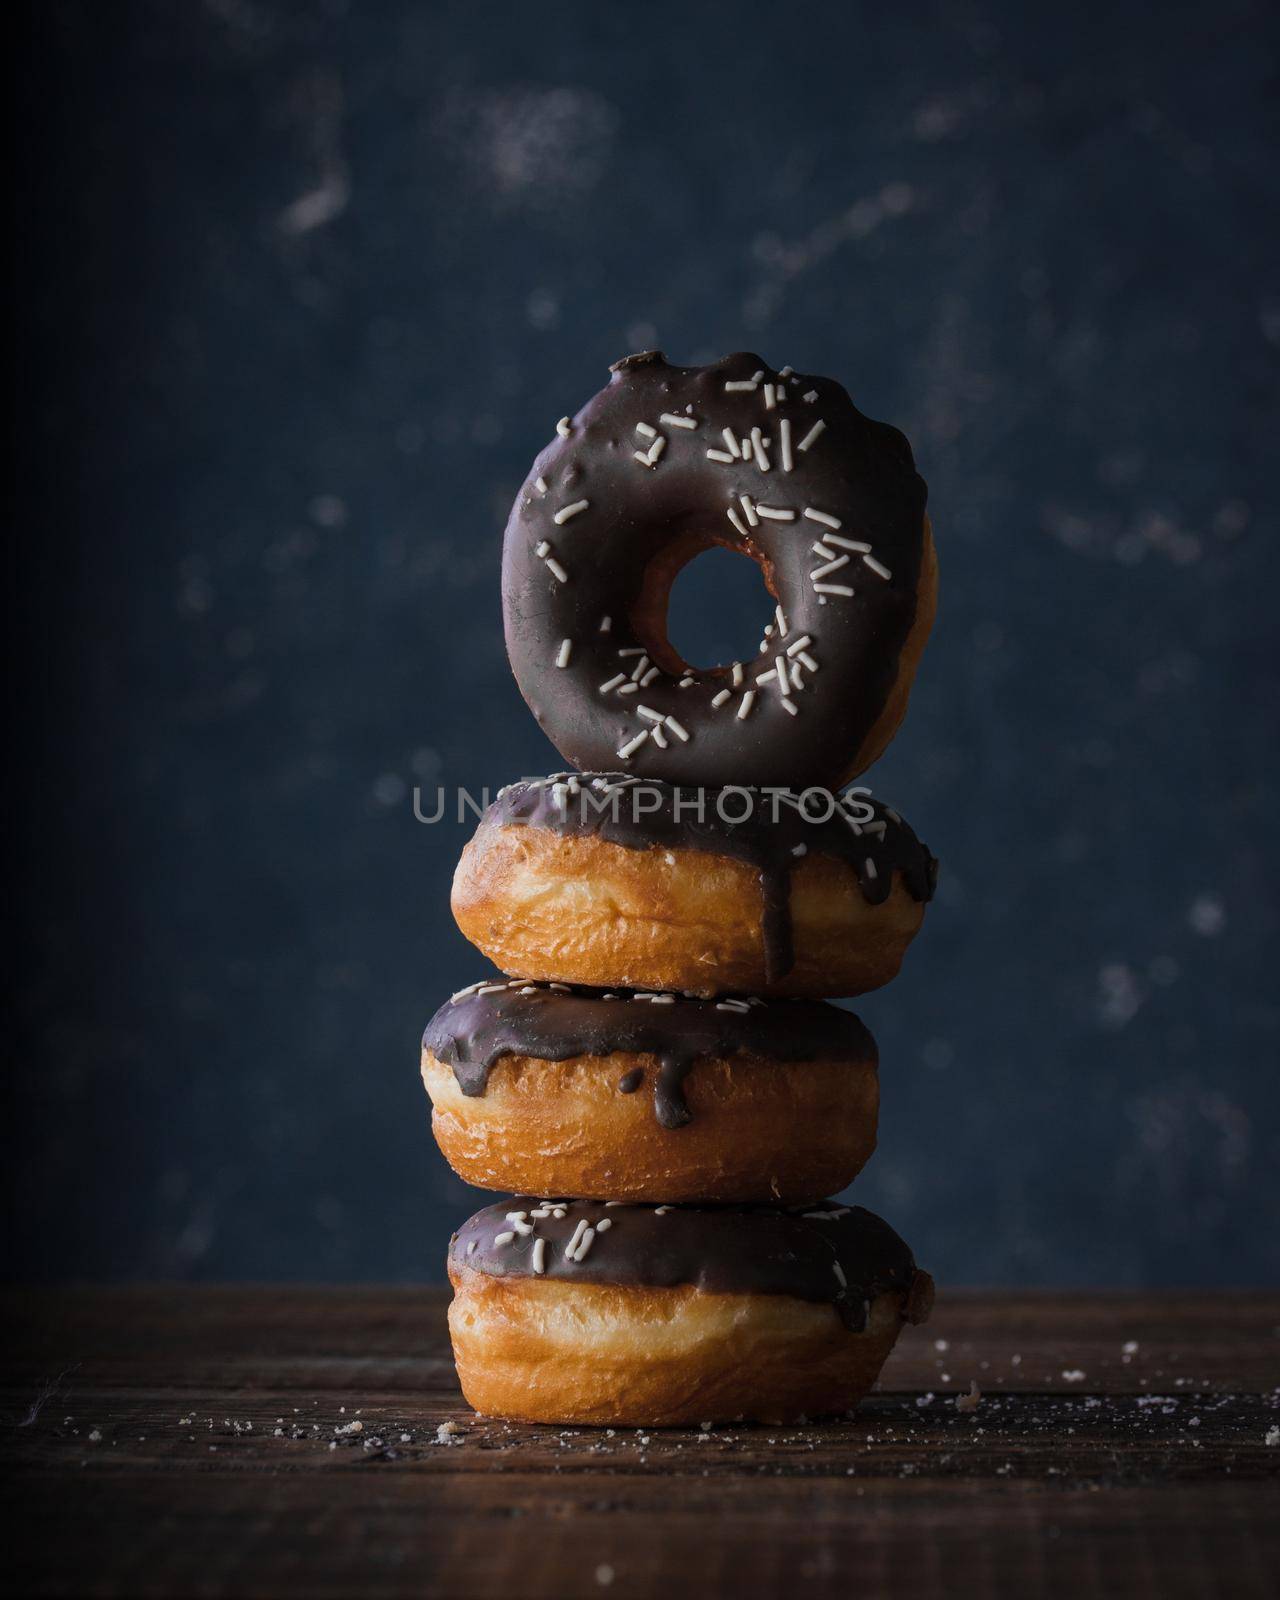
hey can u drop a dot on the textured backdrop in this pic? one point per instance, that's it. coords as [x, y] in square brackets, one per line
[302, 289]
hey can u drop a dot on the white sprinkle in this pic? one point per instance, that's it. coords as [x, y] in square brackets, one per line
[870, 866]
[749, 510]
[584, 1244]
[661, 1211]
[660, 738]
[632, 650]
[782, 622]
[777, 513]
[505, 1237]
[606, 624]
[647, 428]
[824, 517]
[800, 643]
[721, 456]
[643, 459]
[662, 999]
[648, 715]
[733, 516]
[736, 1007]
[556, 570]
[784, 680]
[800, 850]
[736, 671]
[839, 1272]
[656, 449]
[649, 677]
[823, 550]
[730, 442]
[573, 1242]
[540, 484]
[769, 400]
[744, 445]
[562, 655]
[638, 670]
[748, 700]
[811, 435]
[564, 427]
[542, 549]
[784, 429]
[629, 688]
[516, 1219]
[797, 677]
[613, 682]
[811, 396]
[832, 588]
[847, 544]
[831, 566]
[763, 677]
[565, 512]
[605, 1223]
[741, 386]
[632, 745]
[539, 1255]
[684, 683]
[789, 705]
[717, 700]
[757, 444]
[876, 567]
[785, 372]
[680, 733]
[673, 421]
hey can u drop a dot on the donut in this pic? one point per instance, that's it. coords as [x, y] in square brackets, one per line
[664, 463]
[611, 881]
[544, 1089]
[582, 1312]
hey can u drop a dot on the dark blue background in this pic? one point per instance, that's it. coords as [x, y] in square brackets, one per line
[302, 289]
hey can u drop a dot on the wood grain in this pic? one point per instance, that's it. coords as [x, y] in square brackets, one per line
[191, 1442]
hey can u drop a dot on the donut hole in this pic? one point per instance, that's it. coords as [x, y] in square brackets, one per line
[717, 607]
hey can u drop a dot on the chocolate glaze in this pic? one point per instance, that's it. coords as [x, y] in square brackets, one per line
[717, 1249]
[474, 1031]
[620, 552]
[862, 831]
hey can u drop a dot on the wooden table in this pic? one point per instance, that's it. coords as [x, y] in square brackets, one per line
[284, 1442]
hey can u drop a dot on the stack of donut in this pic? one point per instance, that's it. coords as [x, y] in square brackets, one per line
[659, 1076]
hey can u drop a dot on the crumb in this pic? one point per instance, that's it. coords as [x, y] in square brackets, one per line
[706, 1426]
[604, 1574]
[972, 1400]
[941, 1344]
[405, 1439]
[1130, 1347]
[95, 1437]
[345, 1428]
[1073, 1375]
[447, 1432]
[1273, 1436]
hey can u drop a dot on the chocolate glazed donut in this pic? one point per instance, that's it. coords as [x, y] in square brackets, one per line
[664, 463]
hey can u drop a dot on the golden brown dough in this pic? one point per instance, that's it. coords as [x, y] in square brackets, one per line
[579, 909]
[761, 1130]
[543, 1350]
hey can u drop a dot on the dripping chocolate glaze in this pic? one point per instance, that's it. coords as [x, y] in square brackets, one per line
[596, 534]
[524, 1019]
[843, 1255]
[862, 831]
